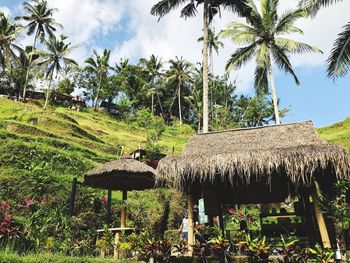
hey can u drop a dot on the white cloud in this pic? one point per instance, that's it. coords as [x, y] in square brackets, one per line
[5, 10]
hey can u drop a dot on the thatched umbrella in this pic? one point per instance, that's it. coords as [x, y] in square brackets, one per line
[124, 175]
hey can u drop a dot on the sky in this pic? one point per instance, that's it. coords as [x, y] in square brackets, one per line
[129, 31]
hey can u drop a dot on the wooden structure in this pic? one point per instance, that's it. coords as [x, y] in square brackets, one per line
[124, 175]
[257, 165]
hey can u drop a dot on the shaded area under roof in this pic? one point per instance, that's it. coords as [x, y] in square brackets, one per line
[275, 160]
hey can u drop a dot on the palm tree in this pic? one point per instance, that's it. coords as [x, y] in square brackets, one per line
[40, 23]
[8, 34]
[53, 60]
[210, 9]
[214, 44]
[196, 104]
[153, 67]
[179, 73]
[98, 65]
[265, 41]
[339, 59]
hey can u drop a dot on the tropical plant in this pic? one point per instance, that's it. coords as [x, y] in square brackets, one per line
[8, 229]
[214, 44]
[265, 41]
[321, 255]
[196, 104]
[210, 9]
[40, 23]
[220, 247]
[153, 67]
[290, 251]
[53, 58]
[179, 73]
[98, 65]
[255, 111]
[8, 34]
[257, 248]
[339, 59]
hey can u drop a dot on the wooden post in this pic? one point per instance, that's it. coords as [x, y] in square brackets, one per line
[123, 217]
[319, 217]
[108, 208]
[190, 225]
[72, 196]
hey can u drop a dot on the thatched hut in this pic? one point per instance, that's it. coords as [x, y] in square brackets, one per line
[256, 165]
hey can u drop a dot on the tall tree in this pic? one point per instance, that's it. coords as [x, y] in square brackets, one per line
[339, 59]
[152, 67]
[53, 60]
[179, 73]
[214, 44]
[210, 9]
[264, 39]
[8, 48]
[40, 23]
[98, 65]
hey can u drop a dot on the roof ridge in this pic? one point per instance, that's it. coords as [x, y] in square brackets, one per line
[256, 128]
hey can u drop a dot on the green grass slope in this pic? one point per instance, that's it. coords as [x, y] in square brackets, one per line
[69, 142]
[338, 133]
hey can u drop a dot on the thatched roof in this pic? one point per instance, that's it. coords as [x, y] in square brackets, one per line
[124, 174]
[238, 157]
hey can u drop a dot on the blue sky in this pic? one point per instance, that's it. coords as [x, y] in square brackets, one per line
[127, 28]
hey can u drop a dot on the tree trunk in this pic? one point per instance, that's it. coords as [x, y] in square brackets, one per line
[160, 105]
[97, 93]
[179, 100]
[205, 68]
[109, 106]
[48, 92]
[152, 107]
[274, 95]
[28, 69]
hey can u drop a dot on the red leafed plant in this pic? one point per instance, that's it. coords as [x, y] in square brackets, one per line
[152, 163]
[8, 230]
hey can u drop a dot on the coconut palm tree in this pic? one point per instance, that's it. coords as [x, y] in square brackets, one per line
[99, 65]
[8, 48]
[40, 23]
[53, 60]
[152, 67]
[210, 9]
[264, 37]
[339, 59]
[214, 44]
[179, 73]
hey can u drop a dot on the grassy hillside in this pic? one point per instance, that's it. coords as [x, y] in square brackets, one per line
[338, 133]
[69, 142]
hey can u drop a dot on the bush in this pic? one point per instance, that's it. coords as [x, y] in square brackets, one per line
[146, 119]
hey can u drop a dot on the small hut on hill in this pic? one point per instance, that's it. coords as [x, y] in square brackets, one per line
[257, 165]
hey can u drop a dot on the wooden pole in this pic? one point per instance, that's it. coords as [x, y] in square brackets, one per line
[123, 217]
[108, 208]
[319, 217]
[72, 196]
[190, 225]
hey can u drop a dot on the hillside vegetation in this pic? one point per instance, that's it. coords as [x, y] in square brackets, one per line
[71, 142]
[338, 133]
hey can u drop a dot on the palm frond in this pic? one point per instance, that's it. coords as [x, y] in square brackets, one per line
[261, 83]
[295, 46]
[339, 60]
[282, 61]
[241, 56]
[287, 19]
[313, 6]
[165, 6]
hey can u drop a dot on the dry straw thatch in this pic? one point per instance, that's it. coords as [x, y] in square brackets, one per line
[125, 174]
[239, 156]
